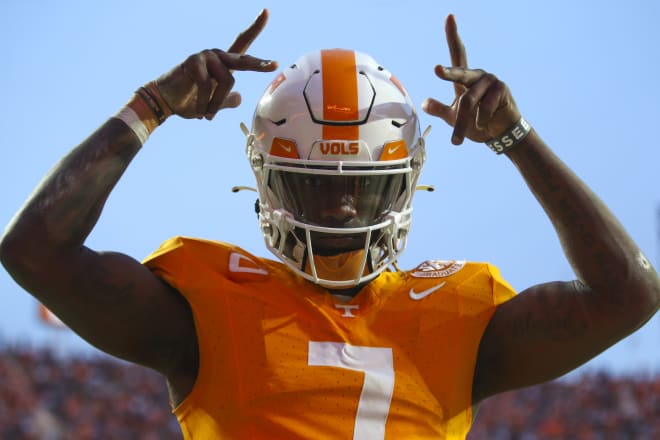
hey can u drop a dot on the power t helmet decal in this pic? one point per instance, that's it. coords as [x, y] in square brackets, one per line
[336, 151]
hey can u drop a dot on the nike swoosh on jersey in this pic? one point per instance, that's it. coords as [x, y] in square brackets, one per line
[424, 293]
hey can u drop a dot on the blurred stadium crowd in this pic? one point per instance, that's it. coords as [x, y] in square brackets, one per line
[47, 397]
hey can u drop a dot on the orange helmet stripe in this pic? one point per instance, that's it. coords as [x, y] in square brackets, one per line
[340, 93]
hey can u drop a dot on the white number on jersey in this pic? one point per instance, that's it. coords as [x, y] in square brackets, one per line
[376, 395]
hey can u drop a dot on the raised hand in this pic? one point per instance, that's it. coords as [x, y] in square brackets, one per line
[201, 85]
[483, 107]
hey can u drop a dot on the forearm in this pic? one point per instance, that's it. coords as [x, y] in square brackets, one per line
[66, 205]
[602, 254]
[63, 209]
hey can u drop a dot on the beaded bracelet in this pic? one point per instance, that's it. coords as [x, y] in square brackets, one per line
[153, 104]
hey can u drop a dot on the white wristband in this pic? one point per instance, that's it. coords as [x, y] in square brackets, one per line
[134, 122]
[510, 138]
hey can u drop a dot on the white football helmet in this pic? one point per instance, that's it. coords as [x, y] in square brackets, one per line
[336, 150]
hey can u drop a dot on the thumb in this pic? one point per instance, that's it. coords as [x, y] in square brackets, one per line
[232, 100]
[436, 108]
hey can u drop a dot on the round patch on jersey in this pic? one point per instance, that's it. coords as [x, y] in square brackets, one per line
[437, 268]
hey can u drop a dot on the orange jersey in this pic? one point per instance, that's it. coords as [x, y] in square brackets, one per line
[282, 358]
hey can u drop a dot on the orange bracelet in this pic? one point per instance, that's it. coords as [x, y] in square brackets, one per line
[151, 95]
[145, 111]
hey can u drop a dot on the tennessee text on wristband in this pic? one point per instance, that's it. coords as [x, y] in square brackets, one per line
[130, 118]
[152, 103]
[510, 138]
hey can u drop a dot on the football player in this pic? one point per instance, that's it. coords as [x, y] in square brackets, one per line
[331, 339]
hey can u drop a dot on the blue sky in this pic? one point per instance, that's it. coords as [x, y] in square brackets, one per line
[584, 76]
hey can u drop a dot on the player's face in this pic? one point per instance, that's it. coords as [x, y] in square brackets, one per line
[337, 202]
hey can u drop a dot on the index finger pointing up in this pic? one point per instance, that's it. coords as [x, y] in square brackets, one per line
[456, 48]
[245, 38]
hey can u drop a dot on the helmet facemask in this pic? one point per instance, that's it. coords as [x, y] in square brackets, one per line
[336, 211]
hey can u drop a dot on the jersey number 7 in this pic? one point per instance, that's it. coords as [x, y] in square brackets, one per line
[377, 366]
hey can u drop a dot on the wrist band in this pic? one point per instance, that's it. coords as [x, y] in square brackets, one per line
[153, 104]
[145, 111]
[510, 138]
[130, 118]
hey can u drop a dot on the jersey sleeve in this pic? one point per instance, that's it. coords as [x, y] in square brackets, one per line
[502, 290]
[169, 262]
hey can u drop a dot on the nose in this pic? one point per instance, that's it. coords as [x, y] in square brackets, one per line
[339, 211]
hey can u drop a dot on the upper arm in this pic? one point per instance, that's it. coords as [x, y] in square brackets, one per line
[545, 332]
[115, 303]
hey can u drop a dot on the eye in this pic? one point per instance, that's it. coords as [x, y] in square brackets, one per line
[312, 181]
[364, 183]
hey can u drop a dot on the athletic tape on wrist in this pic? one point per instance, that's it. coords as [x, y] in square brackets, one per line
[510, 138]
[130, 118]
